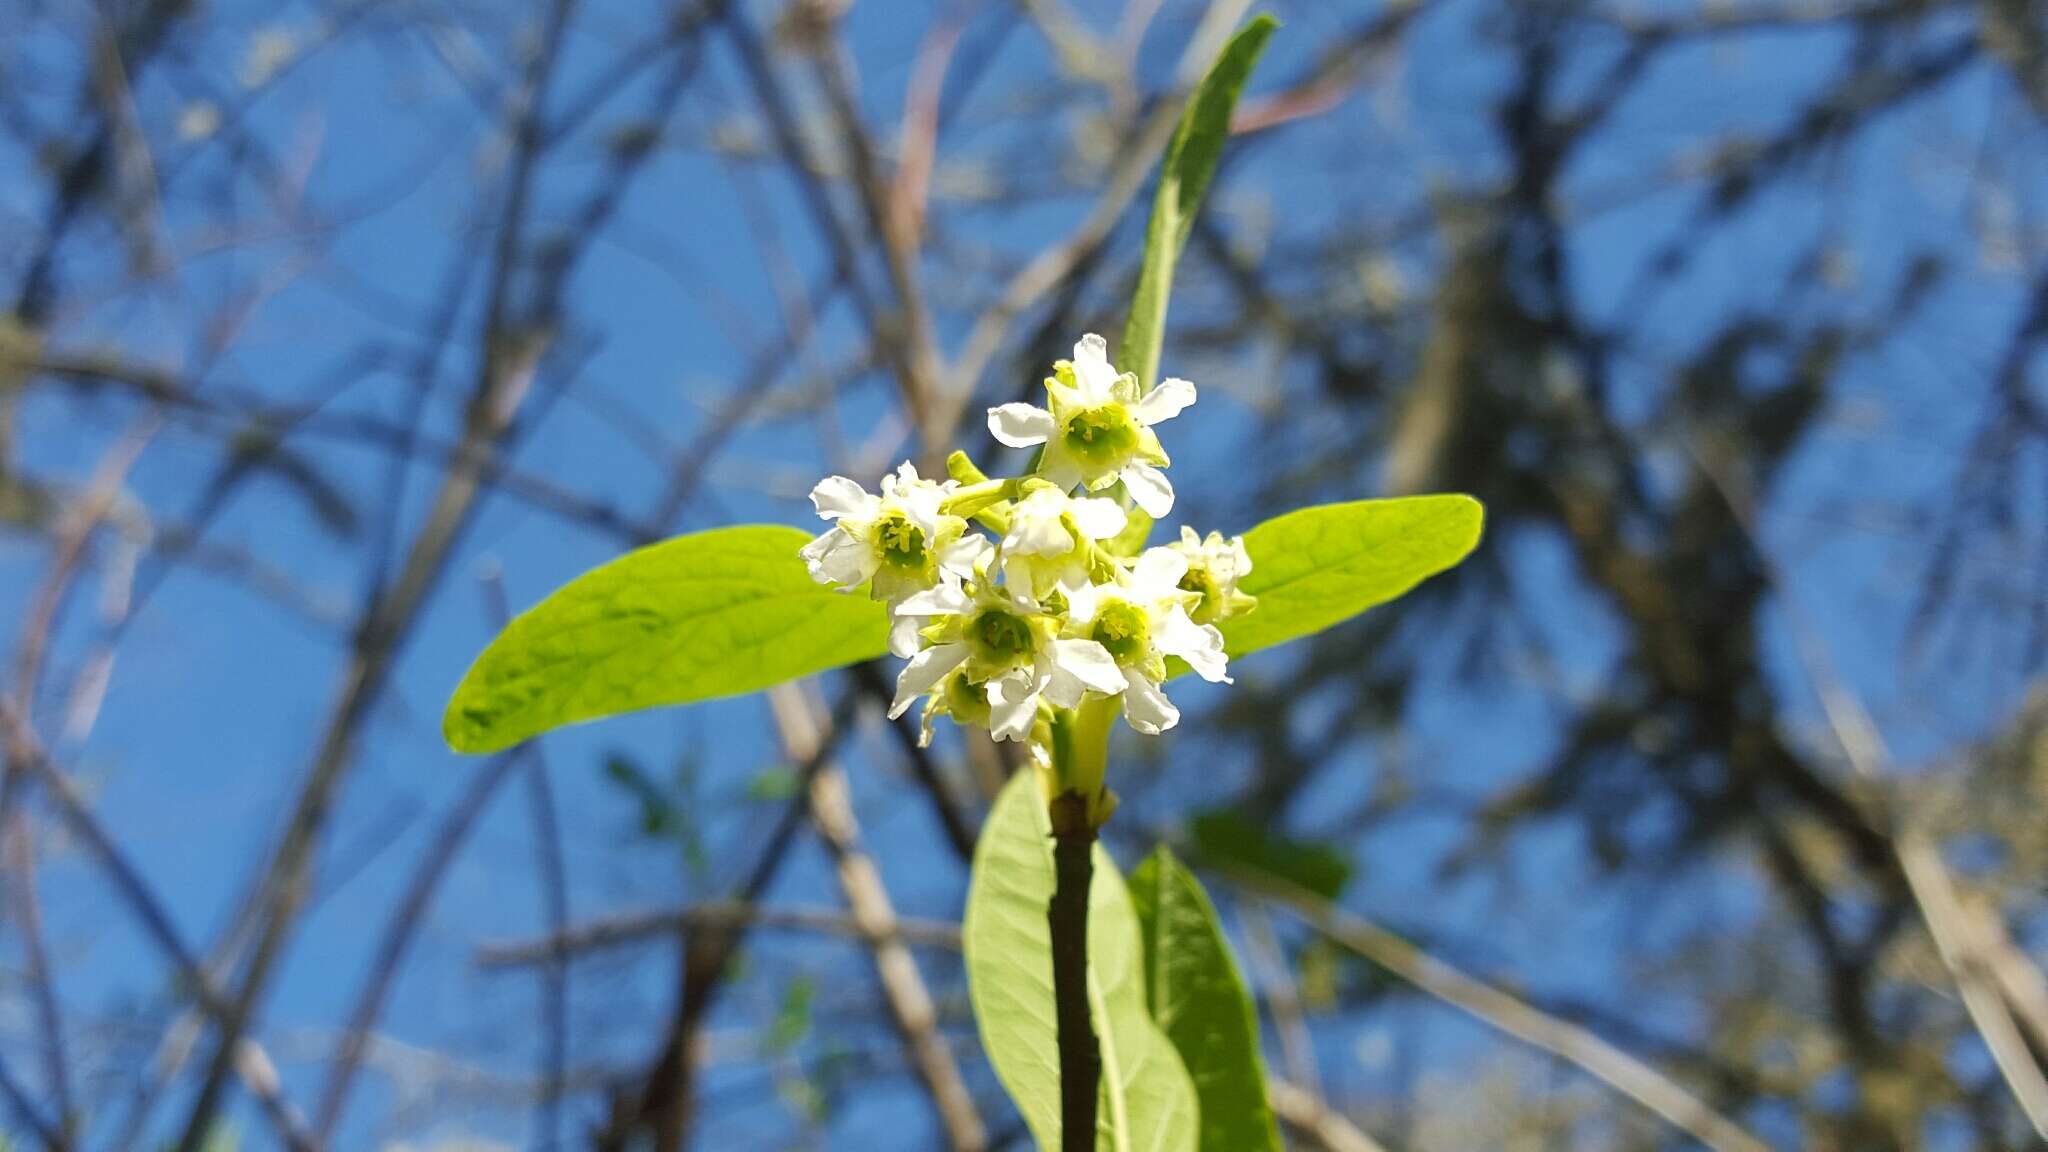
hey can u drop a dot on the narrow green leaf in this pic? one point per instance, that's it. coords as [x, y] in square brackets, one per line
[1184, 178]
[1227, 838]
[713, 614]
[1199, 999]
[1148, 1101]
[1323, 565]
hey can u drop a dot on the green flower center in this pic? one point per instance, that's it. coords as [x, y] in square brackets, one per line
[1199, 581]
[967, 701]
[1122, 629]
[1105, 435]
[1002, 636]
[902, 543]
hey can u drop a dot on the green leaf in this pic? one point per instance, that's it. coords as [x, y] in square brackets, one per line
[1183, 180]
[1200, 1000]
[1225, 837]
[793, 1018]
[717, 613]
[1148, 1101]
[1323, 565]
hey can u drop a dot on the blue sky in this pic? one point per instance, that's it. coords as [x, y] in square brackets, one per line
[215, 701]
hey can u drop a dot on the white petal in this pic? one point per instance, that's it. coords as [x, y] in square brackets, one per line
[1092, 371]
[822, 544]
[1156, 575]
[1013, 704]
[1201, 645]
[1189, 538]
[1058, 467]
[903, 638]
[1147, 708]
[1099, 517]
[837, 558]
[1020, 425]
[1084, 599]
[925, 669]
[1244, 558]
[1035, 527]
[944, 599]
[1149, 488]
[1164, 402]
[967, 556]
[922, 504]
[1078, 666]
[836, 496]
[1017, 574]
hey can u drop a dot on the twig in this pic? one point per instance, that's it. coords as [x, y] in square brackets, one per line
[920, 131]
[630, 928]
[511, 355]
[24, 752]
[1283, 998]
[21, 869]
[554, 1008]
[917, 357]
[25, 1110]
[953, 820]
[910, 1003]
[77, 529]
[1496, 1008]
[1306, 1113]
[666, 1104]
[1974, 949]
[398, 934]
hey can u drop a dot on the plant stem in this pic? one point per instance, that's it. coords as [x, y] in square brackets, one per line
[1080, 1059]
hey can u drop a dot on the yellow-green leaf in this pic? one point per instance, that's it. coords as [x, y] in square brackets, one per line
[1199, 1000]
[1184, 177]
[1320, 566]
[712, 614]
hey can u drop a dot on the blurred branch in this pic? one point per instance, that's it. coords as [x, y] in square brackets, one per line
[910, 1004]
[510, 355]
[26, 912]
[1302, 1110]
[1975, 949]
[626, 929]
[399, 930]
[251, 1063]
[1499, 1010]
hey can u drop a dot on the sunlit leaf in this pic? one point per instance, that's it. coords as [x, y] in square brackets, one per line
[1321, 566]
[1198, 998]
[718, 613]
[1184, 178]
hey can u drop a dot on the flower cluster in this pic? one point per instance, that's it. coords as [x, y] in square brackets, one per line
[999, 631]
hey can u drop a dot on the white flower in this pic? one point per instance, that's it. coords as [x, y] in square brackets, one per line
[900, 541]
[1141, 619]
[1006, 648]
[1098, 430]
[1214, 566]
[1049, 531]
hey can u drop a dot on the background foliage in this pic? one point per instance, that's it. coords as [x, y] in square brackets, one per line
[335, 332]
